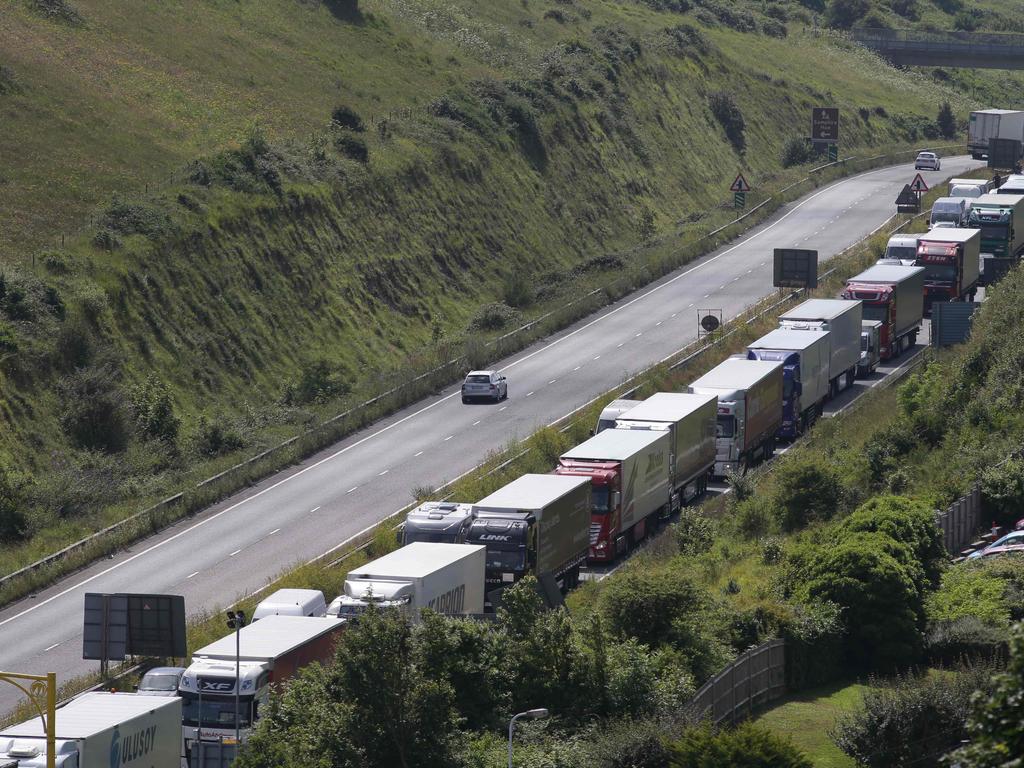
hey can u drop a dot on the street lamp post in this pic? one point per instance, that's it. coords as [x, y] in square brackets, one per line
[533, 714]
[236, 620]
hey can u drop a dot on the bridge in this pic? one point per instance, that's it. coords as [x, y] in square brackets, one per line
[914, 48]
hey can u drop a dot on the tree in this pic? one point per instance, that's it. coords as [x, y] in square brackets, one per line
[399, 717]
[843, 14]
[13, 522]
[806, 491]
[996, 727]
[947, 121]
[151, 405]
[305, 726]
[867, 576]
[727, 112]
[746, 746]
[92, 414]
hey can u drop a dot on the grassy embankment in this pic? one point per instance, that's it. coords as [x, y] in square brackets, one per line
[274, 279]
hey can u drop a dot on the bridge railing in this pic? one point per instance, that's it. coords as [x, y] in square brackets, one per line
[958, 38]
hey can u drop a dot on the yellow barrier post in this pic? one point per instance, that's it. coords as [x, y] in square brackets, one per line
[42, 694]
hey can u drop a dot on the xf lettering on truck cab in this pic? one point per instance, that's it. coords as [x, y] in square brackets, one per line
[451, 601]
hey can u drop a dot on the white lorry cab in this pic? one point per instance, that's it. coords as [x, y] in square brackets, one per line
[292, 602]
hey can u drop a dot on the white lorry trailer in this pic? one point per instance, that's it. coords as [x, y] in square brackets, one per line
[446, 578]
[842, 319]
[805, 384]
[690, 421]
[630, 485]
[986, 124]
[749, 396]
[270, 651]
[101, 730]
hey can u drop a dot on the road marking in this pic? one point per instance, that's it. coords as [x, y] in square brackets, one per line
[271, 533]
[689, 305]
[706, 295]
[420, 453]
[234, 553]
[529, 393]
[381, 474]
[674, 314]
[499, 411]
[552, 381]
[194, 573]
[477, 422]
[351, 489]
[598, 357]
[580, 366]
[51, 647]
[749, 271]
[704, 263]
[448, 438]
[734, 279]
[619, 345]
[658, 323]
[638, 335]
[314, 509]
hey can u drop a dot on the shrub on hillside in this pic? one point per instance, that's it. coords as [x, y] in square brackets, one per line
[968, 637]
[731, 16]
[151, 405]
[345, 117]
[215, 436]
[694, 532]
[908, 521]
[677, 6]
[806, 491]
[727, 112]
[13, 520]
[966, 21]
[135, 218]
[352, 147]
[868, 576]
[644, 604]
[318, 381]
[58, 10]
[493, 317]
[796, 151]
[908, 9]
[843, 14]
[686, 39]
[950, 6]
[911, 720]
[746, 746]
[517, 290]
[774, 28]
[91, 410]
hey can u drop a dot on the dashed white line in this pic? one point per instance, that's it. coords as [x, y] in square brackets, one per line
[351, 489]
[477, 422]
[749, 271]
[597, 357]
[314, 509]
[674, 314]
[658, 323]
[529, 393]
[234, 553]
[273, 532]
[689, 305]
[381, 474]
[552, 381]
[706, 295]
[637, 336]
[736, 278]
[420, 453]
[579, 366]
[51, 647]
[499, 411]
[617, 346]
[194, 573]
[448, 438]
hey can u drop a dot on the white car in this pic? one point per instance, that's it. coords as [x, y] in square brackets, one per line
[927, 161]
[484, 384]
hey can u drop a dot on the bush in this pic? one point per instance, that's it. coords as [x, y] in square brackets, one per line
[493, 317]
[843, 14]
[805, 492]
[747, 746]
[1002, 490]
[91, 413]
[352, 147]
[58, 10]
[215, 437]
[694, 532]
[151, 405]
[135, 218]
[871, 578]
[966, 21]
[318, 382]
[13, 520]
[517, 290]
[970, 589]
[911, 720]
[727, 112]
[774, 28]
[968, 637]
[346, 117]
[644, 604]
[796, 151]
[908, 9]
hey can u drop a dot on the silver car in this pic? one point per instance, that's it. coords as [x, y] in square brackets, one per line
[489, 385]
[927, 161]
[160, 681]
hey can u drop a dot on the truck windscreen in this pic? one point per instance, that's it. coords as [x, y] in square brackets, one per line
[431, 537]
[901, 252]
[726, 426]
[943, 273]
[217, 711]
[506, 559]
[995, 231]
[875, 311]
[599, 499]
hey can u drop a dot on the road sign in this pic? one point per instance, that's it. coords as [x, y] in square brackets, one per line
[825, 124]
[908, 201]
[740, 184]
[739, 199]
[1003, 153]
[918, 184]
[708, 321]
[833, 153]
[795, 268]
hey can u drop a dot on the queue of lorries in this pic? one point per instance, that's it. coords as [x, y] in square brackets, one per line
[644, 460]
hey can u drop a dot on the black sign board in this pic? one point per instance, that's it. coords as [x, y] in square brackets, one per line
[795, 268]
[951, 322]
[1003, 153]
[825, 124]
[121, 625]
[908, 201]
[708, 321]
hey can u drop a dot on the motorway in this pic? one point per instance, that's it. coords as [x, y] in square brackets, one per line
[236, 546]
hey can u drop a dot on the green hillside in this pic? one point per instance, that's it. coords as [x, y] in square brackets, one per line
[198, 260]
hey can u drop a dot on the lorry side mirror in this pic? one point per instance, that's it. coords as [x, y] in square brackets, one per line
[798, 388]
[616, 499]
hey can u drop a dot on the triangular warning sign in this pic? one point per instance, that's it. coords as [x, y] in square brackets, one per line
[918, 184]
[740, 185]
[907, 196]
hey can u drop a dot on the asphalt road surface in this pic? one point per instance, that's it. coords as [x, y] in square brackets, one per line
[237, 546]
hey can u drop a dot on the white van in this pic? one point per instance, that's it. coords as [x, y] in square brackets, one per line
[292, 602]
[948, 209]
